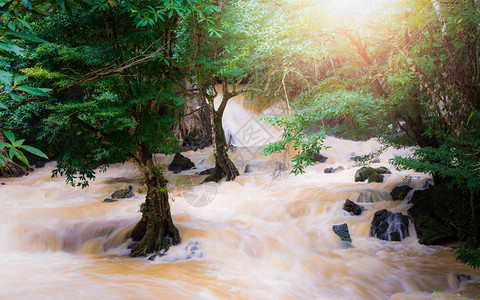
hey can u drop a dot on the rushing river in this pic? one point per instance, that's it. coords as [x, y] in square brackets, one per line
[267, 235]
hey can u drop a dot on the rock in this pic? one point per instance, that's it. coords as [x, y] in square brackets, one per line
[207, 171]
[429, 214]
[464, 278]
[328, 170]
[359, 158]
[249, 168]
[365, 173]
[332, 170]
[389, 226]
[353, 208]
[40, 164]
[123, 193]
[3, 183]
[108, 200]
[342, 231]
[142, 207]
[383, 170]
[180, 163]
[400, 192]
[317, 157]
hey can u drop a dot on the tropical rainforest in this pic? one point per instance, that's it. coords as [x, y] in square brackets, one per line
[94, 83]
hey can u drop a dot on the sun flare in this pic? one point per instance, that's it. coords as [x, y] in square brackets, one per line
[352, 8]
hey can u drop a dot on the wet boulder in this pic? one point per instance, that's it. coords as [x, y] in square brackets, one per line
[342, 231]
[389, 226]
[108, 200]
[429, 213]
[123, 193]
[383, 170]
[359, 158]
[371, 174]
[249, 168]
[400, 192]
[352, 207]
[180, 163]
[333, 170]
[317, 157]
[464, 278]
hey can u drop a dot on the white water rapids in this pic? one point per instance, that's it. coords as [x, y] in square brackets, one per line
[267, 235]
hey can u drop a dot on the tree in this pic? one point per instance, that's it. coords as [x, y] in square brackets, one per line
[117, 98]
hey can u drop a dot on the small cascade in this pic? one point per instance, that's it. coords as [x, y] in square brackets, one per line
[389, 226]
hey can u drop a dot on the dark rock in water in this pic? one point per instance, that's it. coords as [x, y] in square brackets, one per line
[429, 214]
[328, 170]
[333, 170]
[383, 170]
[3, 183]
[180, 163]
[249, 168]
[142, 207]
[389, 226]
[40, 164]
[108, 200]
[207, 171]
[318, 157]
[464, 278]
[358, 158]
[400, 192]
[342, 231]
[365, 173]
[123, 193]
[353, 208]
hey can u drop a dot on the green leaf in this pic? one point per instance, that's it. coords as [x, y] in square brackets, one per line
[22, 157]
[12, 152]
[5, 158]
[18, 143]
[35, 151]
[33, 90]
[14, 97]
[3, 106]
[12, 48]
[6, 78]
[26, 36]
[3, 145]
[27, 3]
[19, 79]
[9, 135]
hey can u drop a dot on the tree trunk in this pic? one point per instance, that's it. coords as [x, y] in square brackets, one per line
[10, 169]
[224, 167]
[155, 231]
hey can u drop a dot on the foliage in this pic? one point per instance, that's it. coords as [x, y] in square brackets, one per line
[15, 147]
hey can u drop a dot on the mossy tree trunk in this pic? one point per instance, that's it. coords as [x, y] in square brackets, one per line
[155, 231]
[224, 167]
